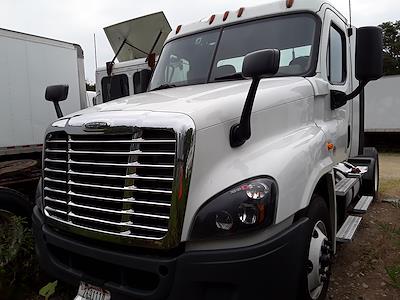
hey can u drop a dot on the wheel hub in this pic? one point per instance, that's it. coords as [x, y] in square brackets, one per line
[319, 260]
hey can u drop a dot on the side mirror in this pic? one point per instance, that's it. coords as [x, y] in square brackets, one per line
[369, 63]
[55, 94]
[369, 53]
[261, 63]
[255, 65]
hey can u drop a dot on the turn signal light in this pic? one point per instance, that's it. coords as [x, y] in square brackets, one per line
[178, 29]
[289, 3]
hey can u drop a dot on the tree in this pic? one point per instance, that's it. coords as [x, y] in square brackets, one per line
[391, 47]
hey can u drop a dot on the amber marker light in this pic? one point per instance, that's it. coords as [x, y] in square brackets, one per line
[240, 12]
[330, 146]
[289, 3]
[212, 18]
[226, 14]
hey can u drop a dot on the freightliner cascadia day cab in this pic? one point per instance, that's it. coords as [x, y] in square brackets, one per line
[233, 177]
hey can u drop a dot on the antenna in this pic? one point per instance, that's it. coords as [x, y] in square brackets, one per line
[350, 12]
[350, 30]
[95, 49]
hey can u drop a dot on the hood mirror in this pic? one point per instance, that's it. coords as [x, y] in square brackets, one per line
[255, 65]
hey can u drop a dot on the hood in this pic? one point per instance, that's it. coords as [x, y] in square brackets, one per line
[213, 103]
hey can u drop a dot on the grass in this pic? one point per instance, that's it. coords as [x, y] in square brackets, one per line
[393, 271]
[390, 188]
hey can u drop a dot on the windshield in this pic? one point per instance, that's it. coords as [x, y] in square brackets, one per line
[218, 54]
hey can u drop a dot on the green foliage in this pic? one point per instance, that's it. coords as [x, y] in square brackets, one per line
[393, 271]
[48, 290]
[18, 266]
[394, 274]
[391, 44]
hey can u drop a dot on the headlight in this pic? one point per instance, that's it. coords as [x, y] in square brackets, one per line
[246, 206]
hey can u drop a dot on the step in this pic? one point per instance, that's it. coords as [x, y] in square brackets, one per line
[348, 229]
[363, 204]
[343, 186]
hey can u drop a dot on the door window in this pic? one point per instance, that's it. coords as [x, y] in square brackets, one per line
[337, 56]
[114, 87]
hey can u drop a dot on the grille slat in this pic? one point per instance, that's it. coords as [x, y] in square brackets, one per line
[136, 152]
[119, 184]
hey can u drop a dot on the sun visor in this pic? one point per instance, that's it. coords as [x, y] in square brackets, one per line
[141, 35]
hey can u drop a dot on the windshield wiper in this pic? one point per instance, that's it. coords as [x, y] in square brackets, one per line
[164, 86]
[231, 76]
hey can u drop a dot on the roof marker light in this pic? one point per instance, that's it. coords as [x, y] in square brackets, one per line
[240, 12]
[178, 29]
[289, 3]
[212, 18]
[226, 14]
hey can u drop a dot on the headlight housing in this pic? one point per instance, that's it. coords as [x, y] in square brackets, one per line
[246, 206]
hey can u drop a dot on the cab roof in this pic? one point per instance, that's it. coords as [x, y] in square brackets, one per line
[272, 7]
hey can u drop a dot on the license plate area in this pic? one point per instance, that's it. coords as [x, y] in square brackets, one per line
[87, 291]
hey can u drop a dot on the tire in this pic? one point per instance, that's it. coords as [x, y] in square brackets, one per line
[15, 203]
[370, 184]
[315, 280]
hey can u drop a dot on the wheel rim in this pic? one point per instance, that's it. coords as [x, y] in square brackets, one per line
[319, 260]
[7, 221]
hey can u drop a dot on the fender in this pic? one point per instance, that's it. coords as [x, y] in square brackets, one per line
[294, 154]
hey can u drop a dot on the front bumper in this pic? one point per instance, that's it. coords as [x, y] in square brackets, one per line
[270, 270]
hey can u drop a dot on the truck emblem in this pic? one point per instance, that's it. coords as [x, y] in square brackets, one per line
[94, 126]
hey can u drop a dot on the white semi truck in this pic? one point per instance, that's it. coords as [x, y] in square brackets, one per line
[233, 177]
[28, 65]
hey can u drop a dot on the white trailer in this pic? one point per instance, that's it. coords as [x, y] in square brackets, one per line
[30, 64]
[382, 105]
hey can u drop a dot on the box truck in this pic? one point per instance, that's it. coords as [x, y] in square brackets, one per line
[234, 176]
[28, 65]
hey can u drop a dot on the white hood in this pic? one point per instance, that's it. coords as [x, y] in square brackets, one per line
[211, 104]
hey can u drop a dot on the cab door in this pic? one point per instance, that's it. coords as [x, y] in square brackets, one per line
[335, 68]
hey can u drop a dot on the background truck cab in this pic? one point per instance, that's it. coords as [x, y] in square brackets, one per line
[132, 41]
[233, 177]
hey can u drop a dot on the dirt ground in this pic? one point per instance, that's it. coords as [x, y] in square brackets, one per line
[361, 269]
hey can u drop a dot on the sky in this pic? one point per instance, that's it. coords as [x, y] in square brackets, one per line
[76, 21]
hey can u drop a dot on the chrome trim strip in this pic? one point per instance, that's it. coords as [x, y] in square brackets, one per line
[133, 164]
[88, 230]
[129, 212]
[133, 141]
[125, 188]
[129, 176]
[55, 190]
[135, 152]
[55, 161]
[125, 200]
[55, 180]
[55, 171]
[55, 200]
[122, 224]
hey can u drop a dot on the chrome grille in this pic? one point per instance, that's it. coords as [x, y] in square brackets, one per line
[116, 184]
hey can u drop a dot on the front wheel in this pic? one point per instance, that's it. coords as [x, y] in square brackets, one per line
[317, 266]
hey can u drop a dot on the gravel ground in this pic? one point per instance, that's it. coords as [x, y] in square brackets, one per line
[359, 271]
